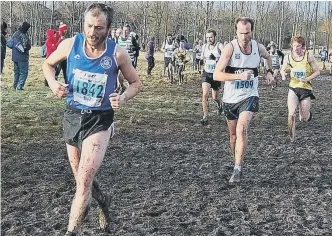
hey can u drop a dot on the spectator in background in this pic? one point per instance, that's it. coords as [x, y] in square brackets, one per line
[3, 44]
[63, 32]
[149, 56]
[20, 55]
[54, 38]
[52, 41]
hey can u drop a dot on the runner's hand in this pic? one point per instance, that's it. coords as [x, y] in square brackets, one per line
[303, 80]
[117, 100]
[270, 78]
[59, 89]
[246, 75]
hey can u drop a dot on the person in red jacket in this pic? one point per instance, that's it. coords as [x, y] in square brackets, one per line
[63, 28]
[54, 38]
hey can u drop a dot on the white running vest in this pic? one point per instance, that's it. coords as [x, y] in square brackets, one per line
[276, 60]
[238, 90]
[210, 65]
[169, 49]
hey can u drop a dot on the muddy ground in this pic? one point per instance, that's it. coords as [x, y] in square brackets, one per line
[167, 174]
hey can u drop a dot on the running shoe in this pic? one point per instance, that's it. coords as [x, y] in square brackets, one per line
[104, 214]
[236, 176]
[204, 120]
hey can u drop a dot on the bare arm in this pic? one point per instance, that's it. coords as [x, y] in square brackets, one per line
[60, 54]
[266, 56]
[219, 73]
[284, 68]
[221, 47]
[314, 66]
[163, 47]
[129, 73]
[57, 56]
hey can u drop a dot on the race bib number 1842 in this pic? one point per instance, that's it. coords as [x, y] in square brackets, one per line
[89, 88]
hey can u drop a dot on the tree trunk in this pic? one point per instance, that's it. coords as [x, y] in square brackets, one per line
[316, 26]
[280, 40]
[52, 18]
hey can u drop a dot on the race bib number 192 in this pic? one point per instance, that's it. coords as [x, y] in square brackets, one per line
[89, 88]
[299, 73]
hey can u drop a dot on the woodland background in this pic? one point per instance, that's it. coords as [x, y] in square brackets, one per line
[274, 20]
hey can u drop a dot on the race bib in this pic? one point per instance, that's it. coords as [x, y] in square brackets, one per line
[198, 55]
[180, 63]
[89, 88]
[169, 53]
[298, 73]
[244, 84]
[275, 60]
[210, 66]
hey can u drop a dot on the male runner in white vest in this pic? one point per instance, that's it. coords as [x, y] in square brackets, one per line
[238, 67]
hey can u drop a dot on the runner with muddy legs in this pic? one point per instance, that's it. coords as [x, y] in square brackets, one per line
[238, 67]
[303, 69]
[211, 52]
[180, 55]
[168, 48]
[93, 65]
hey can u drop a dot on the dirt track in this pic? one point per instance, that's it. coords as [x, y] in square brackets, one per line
[168, 175]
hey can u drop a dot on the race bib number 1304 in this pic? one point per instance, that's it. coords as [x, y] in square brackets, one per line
[89, 88]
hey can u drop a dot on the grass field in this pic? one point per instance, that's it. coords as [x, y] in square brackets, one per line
[167, 174]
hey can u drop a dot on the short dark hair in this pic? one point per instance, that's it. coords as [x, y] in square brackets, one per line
[127, 26]
[212, 31]
[245, 20]
[97, 8]
[169, 35]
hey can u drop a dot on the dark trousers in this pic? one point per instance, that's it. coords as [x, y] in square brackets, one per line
[135, 62]
[21, 70]
[61, 66]
[150, 64]
[2, 61]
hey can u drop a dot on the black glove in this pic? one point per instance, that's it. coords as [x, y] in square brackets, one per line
[212, 57]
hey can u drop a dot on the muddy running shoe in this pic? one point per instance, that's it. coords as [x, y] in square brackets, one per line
[204, 120]
[236, 176]
[104, 214]
[70, 234]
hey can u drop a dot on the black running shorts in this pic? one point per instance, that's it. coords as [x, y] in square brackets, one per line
[80, 124]
[302, 93]
[232, 110]
[199, 61]
[208, 78]
[168, 60]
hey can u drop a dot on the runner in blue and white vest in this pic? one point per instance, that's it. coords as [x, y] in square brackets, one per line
[211, 53]
[93, 62]
[238, 67]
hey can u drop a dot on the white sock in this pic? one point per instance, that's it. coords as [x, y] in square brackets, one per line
[237, 167]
